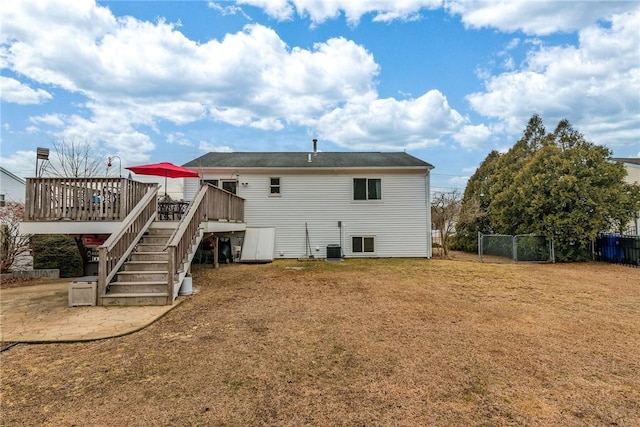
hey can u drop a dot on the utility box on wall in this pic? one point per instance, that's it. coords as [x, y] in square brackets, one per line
[83, 291]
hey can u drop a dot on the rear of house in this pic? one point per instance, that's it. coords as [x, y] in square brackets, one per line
[350, 204]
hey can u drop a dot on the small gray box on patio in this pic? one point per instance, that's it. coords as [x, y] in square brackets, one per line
[83, 291]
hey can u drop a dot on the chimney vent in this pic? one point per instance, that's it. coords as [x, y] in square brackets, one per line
[315, 146]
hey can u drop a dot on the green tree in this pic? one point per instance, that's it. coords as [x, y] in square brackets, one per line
[558, 185]
[57, 251]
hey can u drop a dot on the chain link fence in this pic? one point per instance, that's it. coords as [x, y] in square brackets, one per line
[515, 248]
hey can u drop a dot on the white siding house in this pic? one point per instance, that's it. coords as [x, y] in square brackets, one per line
[12, 187]
[370, 204]
[632, 166]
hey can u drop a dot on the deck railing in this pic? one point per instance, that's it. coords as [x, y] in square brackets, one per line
[82, 199]
[211, 203]
[115, 250]
[223, 205]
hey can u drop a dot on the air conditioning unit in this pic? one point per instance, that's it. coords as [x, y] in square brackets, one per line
[334, 251]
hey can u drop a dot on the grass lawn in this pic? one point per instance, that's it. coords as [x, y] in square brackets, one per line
[359, 343]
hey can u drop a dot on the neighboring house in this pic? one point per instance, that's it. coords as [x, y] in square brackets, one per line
[12, 187]
[632, 166]
[370, 204]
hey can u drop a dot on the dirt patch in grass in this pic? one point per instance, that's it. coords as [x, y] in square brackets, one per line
[358, 343]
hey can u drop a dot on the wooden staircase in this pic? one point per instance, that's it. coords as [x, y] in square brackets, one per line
[142, 280]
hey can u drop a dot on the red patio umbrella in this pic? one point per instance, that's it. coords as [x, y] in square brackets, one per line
[166, 169]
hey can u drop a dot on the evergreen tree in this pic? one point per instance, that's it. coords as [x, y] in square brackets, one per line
[558, 185]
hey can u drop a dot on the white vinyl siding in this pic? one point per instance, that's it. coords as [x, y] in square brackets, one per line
[12, 189]
[324, 199]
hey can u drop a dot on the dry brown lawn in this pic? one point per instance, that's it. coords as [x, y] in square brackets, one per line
[359, 343]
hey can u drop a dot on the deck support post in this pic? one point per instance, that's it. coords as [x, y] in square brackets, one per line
[215, 252]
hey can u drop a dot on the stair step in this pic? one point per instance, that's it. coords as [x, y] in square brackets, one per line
[137, 287]
[155, 239]
[128, 299]
[160, 265]
[142, 276]
[160, 232]
[150, 247]
[148, 256]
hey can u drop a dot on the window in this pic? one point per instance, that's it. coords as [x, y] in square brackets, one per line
[274, 186]
[367, 189]
[213, 182]
[230, 186]
[361, 244]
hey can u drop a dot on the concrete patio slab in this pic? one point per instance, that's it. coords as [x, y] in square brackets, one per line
[40, 314]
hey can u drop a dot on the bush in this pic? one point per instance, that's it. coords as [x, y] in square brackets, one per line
[57, 251]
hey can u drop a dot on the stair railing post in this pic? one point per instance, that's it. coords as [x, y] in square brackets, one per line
[171, 269]
[102, 273]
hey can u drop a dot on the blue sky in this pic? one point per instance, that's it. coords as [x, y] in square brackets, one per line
[446, 81]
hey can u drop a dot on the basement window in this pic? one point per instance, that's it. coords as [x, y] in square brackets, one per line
[363, 244]
[274, 186]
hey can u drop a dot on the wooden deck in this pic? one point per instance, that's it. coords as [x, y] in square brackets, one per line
[130, 214]
[105, 200]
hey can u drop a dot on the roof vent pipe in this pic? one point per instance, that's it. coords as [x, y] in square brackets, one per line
[309, 159]
[315, 147]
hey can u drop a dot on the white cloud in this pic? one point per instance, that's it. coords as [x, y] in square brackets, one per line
[227, 9]
[55, 120]
[136, 73]
[391, 124]
[540, 17]
[595, 85]
[321, 11]
[209, 147]
[21, 163]
[472, 137]
[179, 139]
[11, 90]
[281, 10]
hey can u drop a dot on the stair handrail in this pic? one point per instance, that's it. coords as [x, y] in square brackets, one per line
[115, 250]
[179, 244]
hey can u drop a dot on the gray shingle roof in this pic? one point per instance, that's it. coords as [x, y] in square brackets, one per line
[301, 160]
